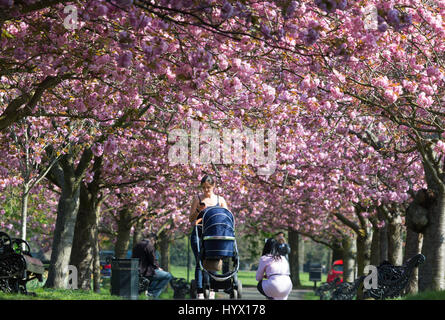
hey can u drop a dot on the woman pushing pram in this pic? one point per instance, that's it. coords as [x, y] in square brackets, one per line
[213, 243]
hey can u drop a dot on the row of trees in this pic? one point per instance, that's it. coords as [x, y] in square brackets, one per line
[86, 115]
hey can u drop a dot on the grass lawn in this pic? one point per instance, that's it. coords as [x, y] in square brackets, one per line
[59, 294]
[311, 296]
[305, 283]
[427, 295]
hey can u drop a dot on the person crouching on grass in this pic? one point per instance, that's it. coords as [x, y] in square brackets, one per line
[273, 274]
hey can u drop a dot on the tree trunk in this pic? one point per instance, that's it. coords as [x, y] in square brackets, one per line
[294, 257]
[137, 233]
[432, 272]
[24, 210]
[301, 257]
[348, 259]
[96, 259]
[363, 252]
[329, 260]
[164, 248]
[82, 253]
[337, 252]
[383, 237]
[375, 243]
[123, 234]
[395, 243]
[68, 178]
[85, 235]
[63, 237]
[375, 248]
[413, 246]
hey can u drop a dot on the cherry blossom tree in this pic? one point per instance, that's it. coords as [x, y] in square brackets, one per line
[357, 110]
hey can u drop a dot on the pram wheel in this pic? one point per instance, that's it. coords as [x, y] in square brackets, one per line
[237, 291]
[206, 293]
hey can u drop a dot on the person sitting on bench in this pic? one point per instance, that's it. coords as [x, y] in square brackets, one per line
[149, 266]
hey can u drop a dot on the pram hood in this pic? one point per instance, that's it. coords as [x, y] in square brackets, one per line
[218, 233]
[218, 239]
[218, 223]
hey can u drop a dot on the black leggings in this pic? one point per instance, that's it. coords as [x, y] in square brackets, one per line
[260, 289]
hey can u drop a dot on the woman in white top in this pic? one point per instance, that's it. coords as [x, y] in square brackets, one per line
[273, 273]
[199, 203]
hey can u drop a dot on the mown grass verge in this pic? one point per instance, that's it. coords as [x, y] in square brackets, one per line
[427, 295]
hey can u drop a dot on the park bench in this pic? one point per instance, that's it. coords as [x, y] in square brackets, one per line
[391, 283]
[17, 266]
[325, 290]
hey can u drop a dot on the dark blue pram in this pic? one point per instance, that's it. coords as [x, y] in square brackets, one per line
[218, 245]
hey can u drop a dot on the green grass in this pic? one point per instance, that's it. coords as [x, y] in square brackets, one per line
[61, 294]
[305, 283]
[247, 278]
[311, 296]
[427, 295]
[181, 272]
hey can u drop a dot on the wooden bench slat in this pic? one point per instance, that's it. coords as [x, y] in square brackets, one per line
[34, 265]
